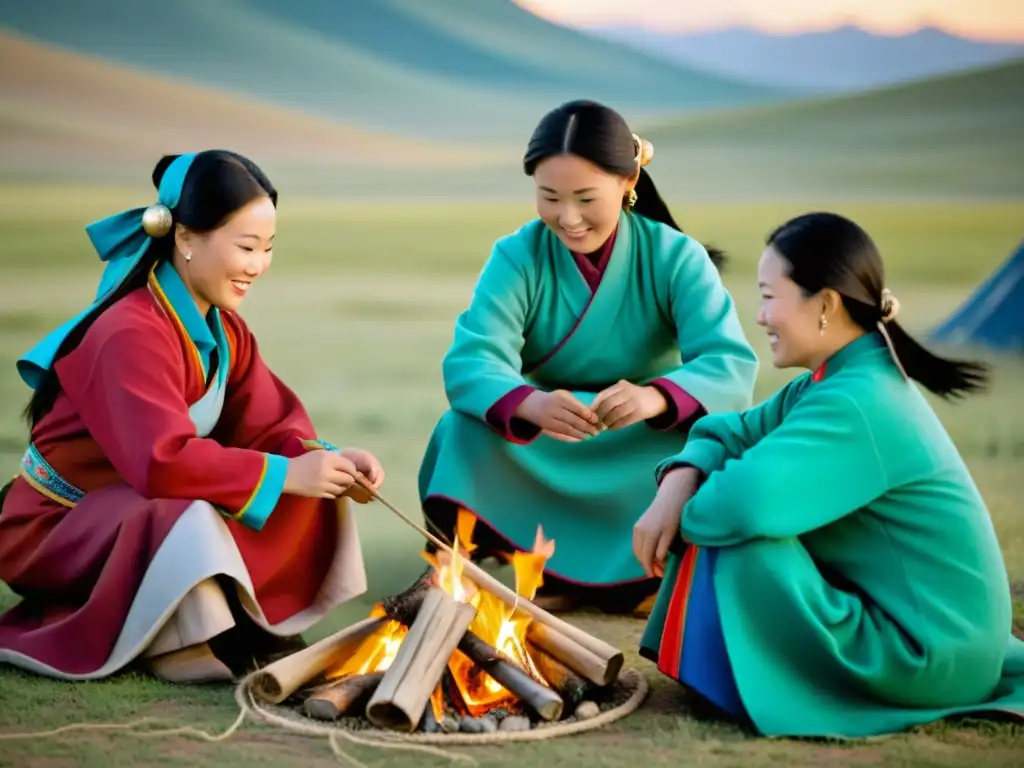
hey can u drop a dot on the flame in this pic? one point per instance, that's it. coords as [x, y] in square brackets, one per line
[499, 625]
[496, 623]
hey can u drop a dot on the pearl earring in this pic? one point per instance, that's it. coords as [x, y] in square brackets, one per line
[822, 325]
[187, 255]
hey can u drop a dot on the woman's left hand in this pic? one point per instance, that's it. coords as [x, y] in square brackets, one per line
[625, 403]
[370, 468]
[658, 527]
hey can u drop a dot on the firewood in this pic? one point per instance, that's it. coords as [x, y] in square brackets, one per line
[608, 656]
[604, 662]
[337, 697]
[405, 690]
[453, 699]
[404, 607]
[277, 681]
[541, 699]
[571, 686]
[576, 657]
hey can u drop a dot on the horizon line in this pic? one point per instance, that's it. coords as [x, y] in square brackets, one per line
[796, 32]
[995, 37]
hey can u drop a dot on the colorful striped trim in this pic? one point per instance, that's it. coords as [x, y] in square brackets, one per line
[670, 651]
[232, 344]
[40, 475]
[165, 303]
[267, 493]
[256, 491]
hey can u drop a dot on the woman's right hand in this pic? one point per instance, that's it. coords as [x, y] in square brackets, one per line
[560, 415]
[319, 475]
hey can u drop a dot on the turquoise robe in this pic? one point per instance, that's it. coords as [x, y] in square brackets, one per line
[857, 579]
[660, 311]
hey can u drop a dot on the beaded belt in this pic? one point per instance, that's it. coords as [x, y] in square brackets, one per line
[45, 479]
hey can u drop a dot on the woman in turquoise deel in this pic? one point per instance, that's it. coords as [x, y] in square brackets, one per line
[596, 334]
[841, 575]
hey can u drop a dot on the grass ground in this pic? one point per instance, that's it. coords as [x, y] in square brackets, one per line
[356, 314]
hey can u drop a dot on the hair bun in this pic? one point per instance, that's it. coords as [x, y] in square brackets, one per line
[890, 306]
[644, 150]
[161, 167]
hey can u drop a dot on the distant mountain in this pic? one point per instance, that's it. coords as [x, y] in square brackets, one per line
[452, 69]
[954, 137]
[844, 59]
[70, 116]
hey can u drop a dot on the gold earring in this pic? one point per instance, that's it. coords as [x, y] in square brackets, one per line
[822, 325]
[631, 198]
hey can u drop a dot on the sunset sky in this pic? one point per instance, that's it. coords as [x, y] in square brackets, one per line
[981, 19]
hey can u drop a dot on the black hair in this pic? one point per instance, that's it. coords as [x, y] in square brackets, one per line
[826, 250]
[601, 135]
[217, 185]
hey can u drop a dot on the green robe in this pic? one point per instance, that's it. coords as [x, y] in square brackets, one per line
[859, 581]
[660, 311]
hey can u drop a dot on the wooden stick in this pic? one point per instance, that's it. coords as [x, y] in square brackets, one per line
[277, 681]
[508, 672]
[581, 664]
[404, 693]
[571, 686]
[610, 656]
[336, 697]
[577, 658]
[541, 699]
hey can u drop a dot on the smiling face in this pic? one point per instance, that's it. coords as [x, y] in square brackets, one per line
[579, 201]
[226, 262]
[791, 318]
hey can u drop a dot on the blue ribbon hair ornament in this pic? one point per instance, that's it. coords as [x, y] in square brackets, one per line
[121, 241]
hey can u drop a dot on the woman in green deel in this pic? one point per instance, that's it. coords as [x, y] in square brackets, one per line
[841, 575]
[596, 334]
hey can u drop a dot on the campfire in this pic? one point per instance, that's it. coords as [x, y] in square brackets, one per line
[457, 651]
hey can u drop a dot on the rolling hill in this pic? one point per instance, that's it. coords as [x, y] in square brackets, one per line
[457, 69]
[952, 137]
[64, 115]
[843, 59]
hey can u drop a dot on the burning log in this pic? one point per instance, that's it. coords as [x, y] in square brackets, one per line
[404, 692]
[451, 697]
[581, 660]
[277, 681]
[337, 697]
[567, 660]
[571, 686]
[603, 661]
[541, 699]
[544, 701]
[609, 659]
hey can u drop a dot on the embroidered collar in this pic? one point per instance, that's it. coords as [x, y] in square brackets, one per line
[205, 333]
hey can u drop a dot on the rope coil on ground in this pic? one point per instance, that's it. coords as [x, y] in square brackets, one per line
[630, 679]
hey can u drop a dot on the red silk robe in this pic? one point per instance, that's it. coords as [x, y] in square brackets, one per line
[121, 432]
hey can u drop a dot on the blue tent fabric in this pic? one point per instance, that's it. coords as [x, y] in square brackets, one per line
[993, 316]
